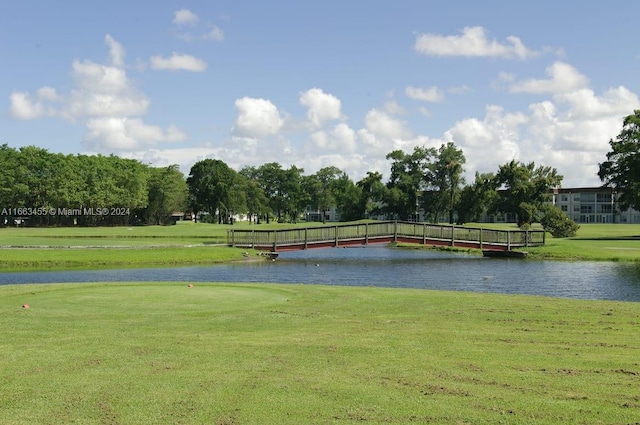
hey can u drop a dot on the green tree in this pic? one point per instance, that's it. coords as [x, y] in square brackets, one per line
[271, 179]
[476, 198]
[444, 184]
[293, 196]
[320, 188]
[211, 184]
[168, 193]
[558, 223]
[256, 201]
[621, 170]
[525, 189]
[410, 174]
[347, 195]
[372, 194]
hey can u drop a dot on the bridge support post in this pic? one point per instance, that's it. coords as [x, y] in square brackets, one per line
[453, 236]
[395, 231]
[366, 233]
[508, 241]
[306, 240]
[335, 229]
[424, 233]
[480, 238]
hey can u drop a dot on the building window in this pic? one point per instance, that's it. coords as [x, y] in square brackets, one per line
[564, 198]
[587, 197]
[576, 208]
[564, 208]
[586, 209]
[604, 208]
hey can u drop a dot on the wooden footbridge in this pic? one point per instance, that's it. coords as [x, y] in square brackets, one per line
[342, 235]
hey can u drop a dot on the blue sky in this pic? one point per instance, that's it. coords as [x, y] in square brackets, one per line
[321, 83]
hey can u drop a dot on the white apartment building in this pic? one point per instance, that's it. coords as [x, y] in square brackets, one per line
[592, 205]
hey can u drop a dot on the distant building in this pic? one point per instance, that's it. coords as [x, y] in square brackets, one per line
[331, 214]
[593, 205]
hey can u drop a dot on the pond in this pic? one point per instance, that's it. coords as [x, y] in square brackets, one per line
[385, 267]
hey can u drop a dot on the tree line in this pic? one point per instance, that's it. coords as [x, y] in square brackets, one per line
[50, 189]
[53, 189]
[426, 180]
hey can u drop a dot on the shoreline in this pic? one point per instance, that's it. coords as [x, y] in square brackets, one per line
[141, 256]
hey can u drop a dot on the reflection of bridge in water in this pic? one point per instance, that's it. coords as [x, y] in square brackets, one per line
[342, 235]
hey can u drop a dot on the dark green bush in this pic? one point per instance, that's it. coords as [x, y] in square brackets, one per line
[558, 223]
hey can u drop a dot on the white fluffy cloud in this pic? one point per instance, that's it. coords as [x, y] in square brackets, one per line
[177, 62]
[432, 94]
[386, 127]
[473, 42]
[189, 27]
[341, 138]
[563, 78]
[127, 134]
[24, 108]
[256, 118]
[116, 51]
[108, 100]
[322, 107]
[103, 90]
[184, 17]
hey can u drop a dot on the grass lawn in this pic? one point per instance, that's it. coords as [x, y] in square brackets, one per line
[163, 353]
[609, 242]
[199, 243]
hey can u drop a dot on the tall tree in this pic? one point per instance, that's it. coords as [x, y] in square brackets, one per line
[168, 193]
[621, 170]
[271, 178]
[347, 195]
[445, 181]
[477, 197]
[372, 194]
[257, 202]
[525, 188]
[321, 188]
[410, 174]
[294, 198]
[211, 182]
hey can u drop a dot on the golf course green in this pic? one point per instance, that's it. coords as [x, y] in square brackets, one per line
[236, 353]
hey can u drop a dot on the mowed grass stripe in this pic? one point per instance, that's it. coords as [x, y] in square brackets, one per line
[270, 353]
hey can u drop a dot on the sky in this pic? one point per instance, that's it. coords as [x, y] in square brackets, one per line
[317, 84]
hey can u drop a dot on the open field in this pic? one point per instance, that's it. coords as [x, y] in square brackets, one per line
[289, 354]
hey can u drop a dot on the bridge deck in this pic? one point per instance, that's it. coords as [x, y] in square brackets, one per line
[384, 232]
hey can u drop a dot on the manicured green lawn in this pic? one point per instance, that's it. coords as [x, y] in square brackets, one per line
[183, 233]
[164, 353]
[608, 242]
[198, 243]
[120, 257]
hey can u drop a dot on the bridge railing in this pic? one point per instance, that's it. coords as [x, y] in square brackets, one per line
[421, 232]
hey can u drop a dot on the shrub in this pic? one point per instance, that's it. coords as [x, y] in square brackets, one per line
[558, 223]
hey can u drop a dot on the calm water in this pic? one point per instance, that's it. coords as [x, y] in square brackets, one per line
[379, 266]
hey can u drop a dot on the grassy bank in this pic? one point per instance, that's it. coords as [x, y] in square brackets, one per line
[600, 242]
[198, 243]
[120, 257]
[290, 354]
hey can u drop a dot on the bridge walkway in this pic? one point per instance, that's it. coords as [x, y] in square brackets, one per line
[337, 235]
